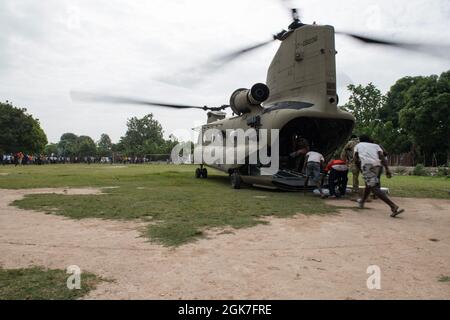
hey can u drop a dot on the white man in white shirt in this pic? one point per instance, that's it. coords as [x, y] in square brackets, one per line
[314, 164]
[371, 160]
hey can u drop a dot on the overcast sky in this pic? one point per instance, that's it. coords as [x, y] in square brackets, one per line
[50, 47]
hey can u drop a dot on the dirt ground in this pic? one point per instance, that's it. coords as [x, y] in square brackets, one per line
[323, 257]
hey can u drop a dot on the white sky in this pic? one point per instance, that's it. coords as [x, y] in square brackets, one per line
[50, 47]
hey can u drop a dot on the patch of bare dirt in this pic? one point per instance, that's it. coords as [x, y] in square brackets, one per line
[324, 257]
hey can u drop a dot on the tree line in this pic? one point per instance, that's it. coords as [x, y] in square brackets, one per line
[143, 137]
[20, 132]
[412, 117]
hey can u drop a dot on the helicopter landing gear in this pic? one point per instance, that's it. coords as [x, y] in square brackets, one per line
[236, 180]
[201, 173]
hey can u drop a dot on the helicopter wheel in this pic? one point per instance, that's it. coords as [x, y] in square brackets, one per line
[198, 173]
[204, 173]
[235, 180]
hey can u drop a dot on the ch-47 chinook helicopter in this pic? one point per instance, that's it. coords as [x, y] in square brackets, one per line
[299, 99]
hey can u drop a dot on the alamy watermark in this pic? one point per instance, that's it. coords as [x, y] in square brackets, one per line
[374, 280]
[74, 280]
[233, 147]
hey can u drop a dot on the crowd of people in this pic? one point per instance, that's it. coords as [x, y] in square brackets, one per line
[19, 159]
[24, 159]
[359, 156]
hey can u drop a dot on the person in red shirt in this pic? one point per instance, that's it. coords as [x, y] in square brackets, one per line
[337, 177]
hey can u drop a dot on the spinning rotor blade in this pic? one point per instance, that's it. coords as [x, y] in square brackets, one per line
[370, 40]
[101, 98]
[194, 75]
[431, 49]
[236, 54]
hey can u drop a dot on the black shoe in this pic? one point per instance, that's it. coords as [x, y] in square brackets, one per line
[397, 212]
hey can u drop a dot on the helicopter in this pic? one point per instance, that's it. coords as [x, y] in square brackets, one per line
[299, 99]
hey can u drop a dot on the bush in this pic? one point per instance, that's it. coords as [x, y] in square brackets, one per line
[401, 171]
[442, 171]
[419, 170]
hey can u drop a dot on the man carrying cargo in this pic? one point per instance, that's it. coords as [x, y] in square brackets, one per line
[313, 165]
[337, 177]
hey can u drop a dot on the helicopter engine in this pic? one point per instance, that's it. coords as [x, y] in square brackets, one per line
[244, 100]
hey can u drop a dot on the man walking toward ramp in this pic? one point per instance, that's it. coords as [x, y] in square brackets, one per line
[370, 159]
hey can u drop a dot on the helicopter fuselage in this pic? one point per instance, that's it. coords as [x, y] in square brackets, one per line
[303, 103]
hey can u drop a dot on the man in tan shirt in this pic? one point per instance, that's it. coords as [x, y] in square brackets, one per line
[347, 155]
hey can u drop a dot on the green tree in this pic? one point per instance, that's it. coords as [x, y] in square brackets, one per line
[365, 103]
[19, 131]
[395, 137]
[86, 147]
[427, 120]
[413, 116]
[396, 100]
[68, 145]
[368, 105]
[50, 149]
[104, 145]
[71, 145]
[168, 145]
[144, 136]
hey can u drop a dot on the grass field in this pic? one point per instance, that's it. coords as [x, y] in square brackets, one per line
[415, 187]
[178, 207]
[40, 284]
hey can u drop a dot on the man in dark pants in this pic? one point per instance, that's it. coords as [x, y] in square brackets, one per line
[370, 159]
[312, 167]
[337, 177]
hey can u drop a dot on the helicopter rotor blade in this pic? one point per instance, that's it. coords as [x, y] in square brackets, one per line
[80, 96]
[194, 75]
[233, 55]
[431, 49]
[236, 54]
